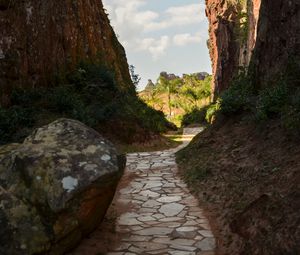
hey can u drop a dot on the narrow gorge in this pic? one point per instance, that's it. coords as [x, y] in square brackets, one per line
[69, 113]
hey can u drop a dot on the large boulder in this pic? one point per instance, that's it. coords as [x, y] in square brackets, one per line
[55, 188]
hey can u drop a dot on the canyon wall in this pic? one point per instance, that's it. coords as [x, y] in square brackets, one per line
[278, 40]
[260, 34]
[41, 39]
[223, 48]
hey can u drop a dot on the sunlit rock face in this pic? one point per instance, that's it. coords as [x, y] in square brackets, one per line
[55, 188]
[41, 40]
[224, 49]
[246, 49]
[233, 32]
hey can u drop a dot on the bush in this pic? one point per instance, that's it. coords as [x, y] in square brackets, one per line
[290, 116]
[196, 116]
[91, 74]
[12, 120]
[271, 101]
[132, 107]
[239, 97]
[25, 97]
[212, 111]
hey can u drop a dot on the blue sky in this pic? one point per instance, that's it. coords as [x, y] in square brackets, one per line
[162, 35]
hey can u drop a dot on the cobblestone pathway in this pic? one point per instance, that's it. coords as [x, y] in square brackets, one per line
[165, 218]
[161, 216]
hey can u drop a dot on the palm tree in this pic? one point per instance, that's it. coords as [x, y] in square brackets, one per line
[168, 86]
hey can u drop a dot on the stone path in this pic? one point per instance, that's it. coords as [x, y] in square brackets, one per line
[162, 216]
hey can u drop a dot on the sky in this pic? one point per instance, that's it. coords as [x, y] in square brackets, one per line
[161, 35]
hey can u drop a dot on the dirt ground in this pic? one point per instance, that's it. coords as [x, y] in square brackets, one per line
[248, 178]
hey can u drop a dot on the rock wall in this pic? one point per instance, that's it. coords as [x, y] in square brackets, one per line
[252, 16]
[224, 50]
[261, 34]
[278, 39]
[40, 39]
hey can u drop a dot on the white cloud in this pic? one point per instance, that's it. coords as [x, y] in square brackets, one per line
[156, 47]
[159, 48]
[178, 16]
[134, 25]
[184, 39]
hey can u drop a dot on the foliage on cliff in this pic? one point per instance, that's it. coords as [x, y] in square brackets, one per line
[281, 100]
[89, 94]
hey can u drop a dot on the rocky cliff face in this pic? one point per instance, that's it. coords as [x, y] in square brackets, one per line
[260, 32]
[278, 39]
[40, 39]
[223, 48]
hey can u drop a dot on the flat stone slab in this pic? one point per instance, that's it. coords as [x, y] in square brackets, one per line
[151, 204]
[158, 231]
[149, 193]
[206, 244]
[171, 209]
[169, 199]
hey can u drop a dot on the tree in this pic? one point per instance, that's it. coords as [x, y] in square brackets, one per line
[168, 86]
[134, 77]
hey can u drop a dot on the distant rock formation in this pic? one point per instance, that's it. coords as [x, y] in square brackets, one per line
[55, 188]
[150, 86]
[200, 76]
[169, 76]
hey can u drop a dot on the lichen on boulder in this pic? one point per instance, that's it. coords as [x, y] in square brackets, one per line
[55, 187]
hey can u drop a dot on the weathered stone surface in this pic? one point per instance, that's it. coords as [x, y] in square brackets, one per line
[232, 30]
[55, 187]
[223, 47]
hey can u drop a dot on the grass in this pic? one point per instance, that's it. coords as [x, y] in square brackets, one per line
[165, 141]
[196, 174]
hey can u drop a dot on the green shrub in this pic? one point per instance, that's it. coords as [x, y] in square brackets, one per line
[66, 101]
[212, 111]
[88, 74]
[239, 97]
[25, 97]
[12, 120]
[133, 107]
[271, 101]
[89, 94]
[290, 115]
[196, 116]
